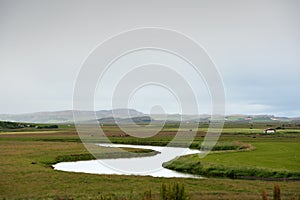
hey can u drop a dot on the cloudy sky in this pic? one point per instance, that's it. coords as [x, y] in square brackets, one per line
[255, 45]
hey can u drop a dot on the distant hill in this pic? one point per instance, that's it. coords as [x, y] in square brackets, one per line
[121, 115]
[138, 120]
[258, 118]
[67, 116]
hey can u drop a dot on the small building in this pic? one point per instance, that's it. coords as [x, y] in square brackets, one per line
[269, 130]
[21, 125]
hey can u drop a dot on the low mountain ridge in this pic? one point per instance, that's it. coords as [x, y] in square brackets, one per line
[66, 116]
[126, 115]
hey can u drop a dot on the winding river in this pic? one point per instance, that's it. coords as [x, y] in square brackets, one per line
[139, 166]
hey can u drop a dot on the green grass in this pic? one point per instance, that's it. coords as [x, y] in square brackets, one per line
[272, 155]
[25, 171]
[272, 159]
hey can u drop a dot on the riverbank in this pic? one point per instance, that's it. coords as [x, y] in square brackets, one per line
[270, 161]
[139, 166]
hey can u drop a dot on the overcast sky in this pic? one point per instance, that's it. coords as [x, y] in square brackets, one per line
[255, 45]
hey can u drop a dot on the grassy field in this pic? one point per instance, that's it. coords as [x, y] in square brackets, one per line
[276, 158]
[25, 171]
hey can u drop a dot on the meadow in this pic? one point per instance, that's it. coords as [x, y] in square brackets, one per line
[26, 156]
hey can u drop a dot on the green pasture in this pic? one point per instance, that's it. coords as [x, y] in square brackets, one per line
[26, 173]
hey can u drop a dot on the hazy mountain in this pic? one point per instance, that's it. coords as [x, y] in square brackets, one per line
[67, 116]
[106, 116]
[138, 120]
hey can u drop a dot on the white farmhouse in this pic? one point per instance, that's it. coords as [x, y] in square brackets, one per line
[269, 130]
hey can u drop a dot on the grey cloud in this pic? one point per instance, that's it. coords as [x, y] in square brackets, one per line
[255, 45]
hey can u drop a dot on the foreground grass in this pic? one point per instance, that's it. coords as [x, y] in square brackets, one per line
[25, 172]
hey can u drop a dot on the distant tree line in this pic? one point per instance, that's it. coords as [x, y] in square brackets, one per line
[9, 125]
[16, 125]
[47, 126]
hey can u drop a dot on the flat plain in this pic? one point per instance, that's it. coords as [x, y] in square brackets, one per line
[26, 157]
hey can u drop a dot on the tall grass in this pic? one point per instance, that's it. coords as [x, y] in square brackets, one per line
[173, 192]
[276, 192]
[264, 195]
